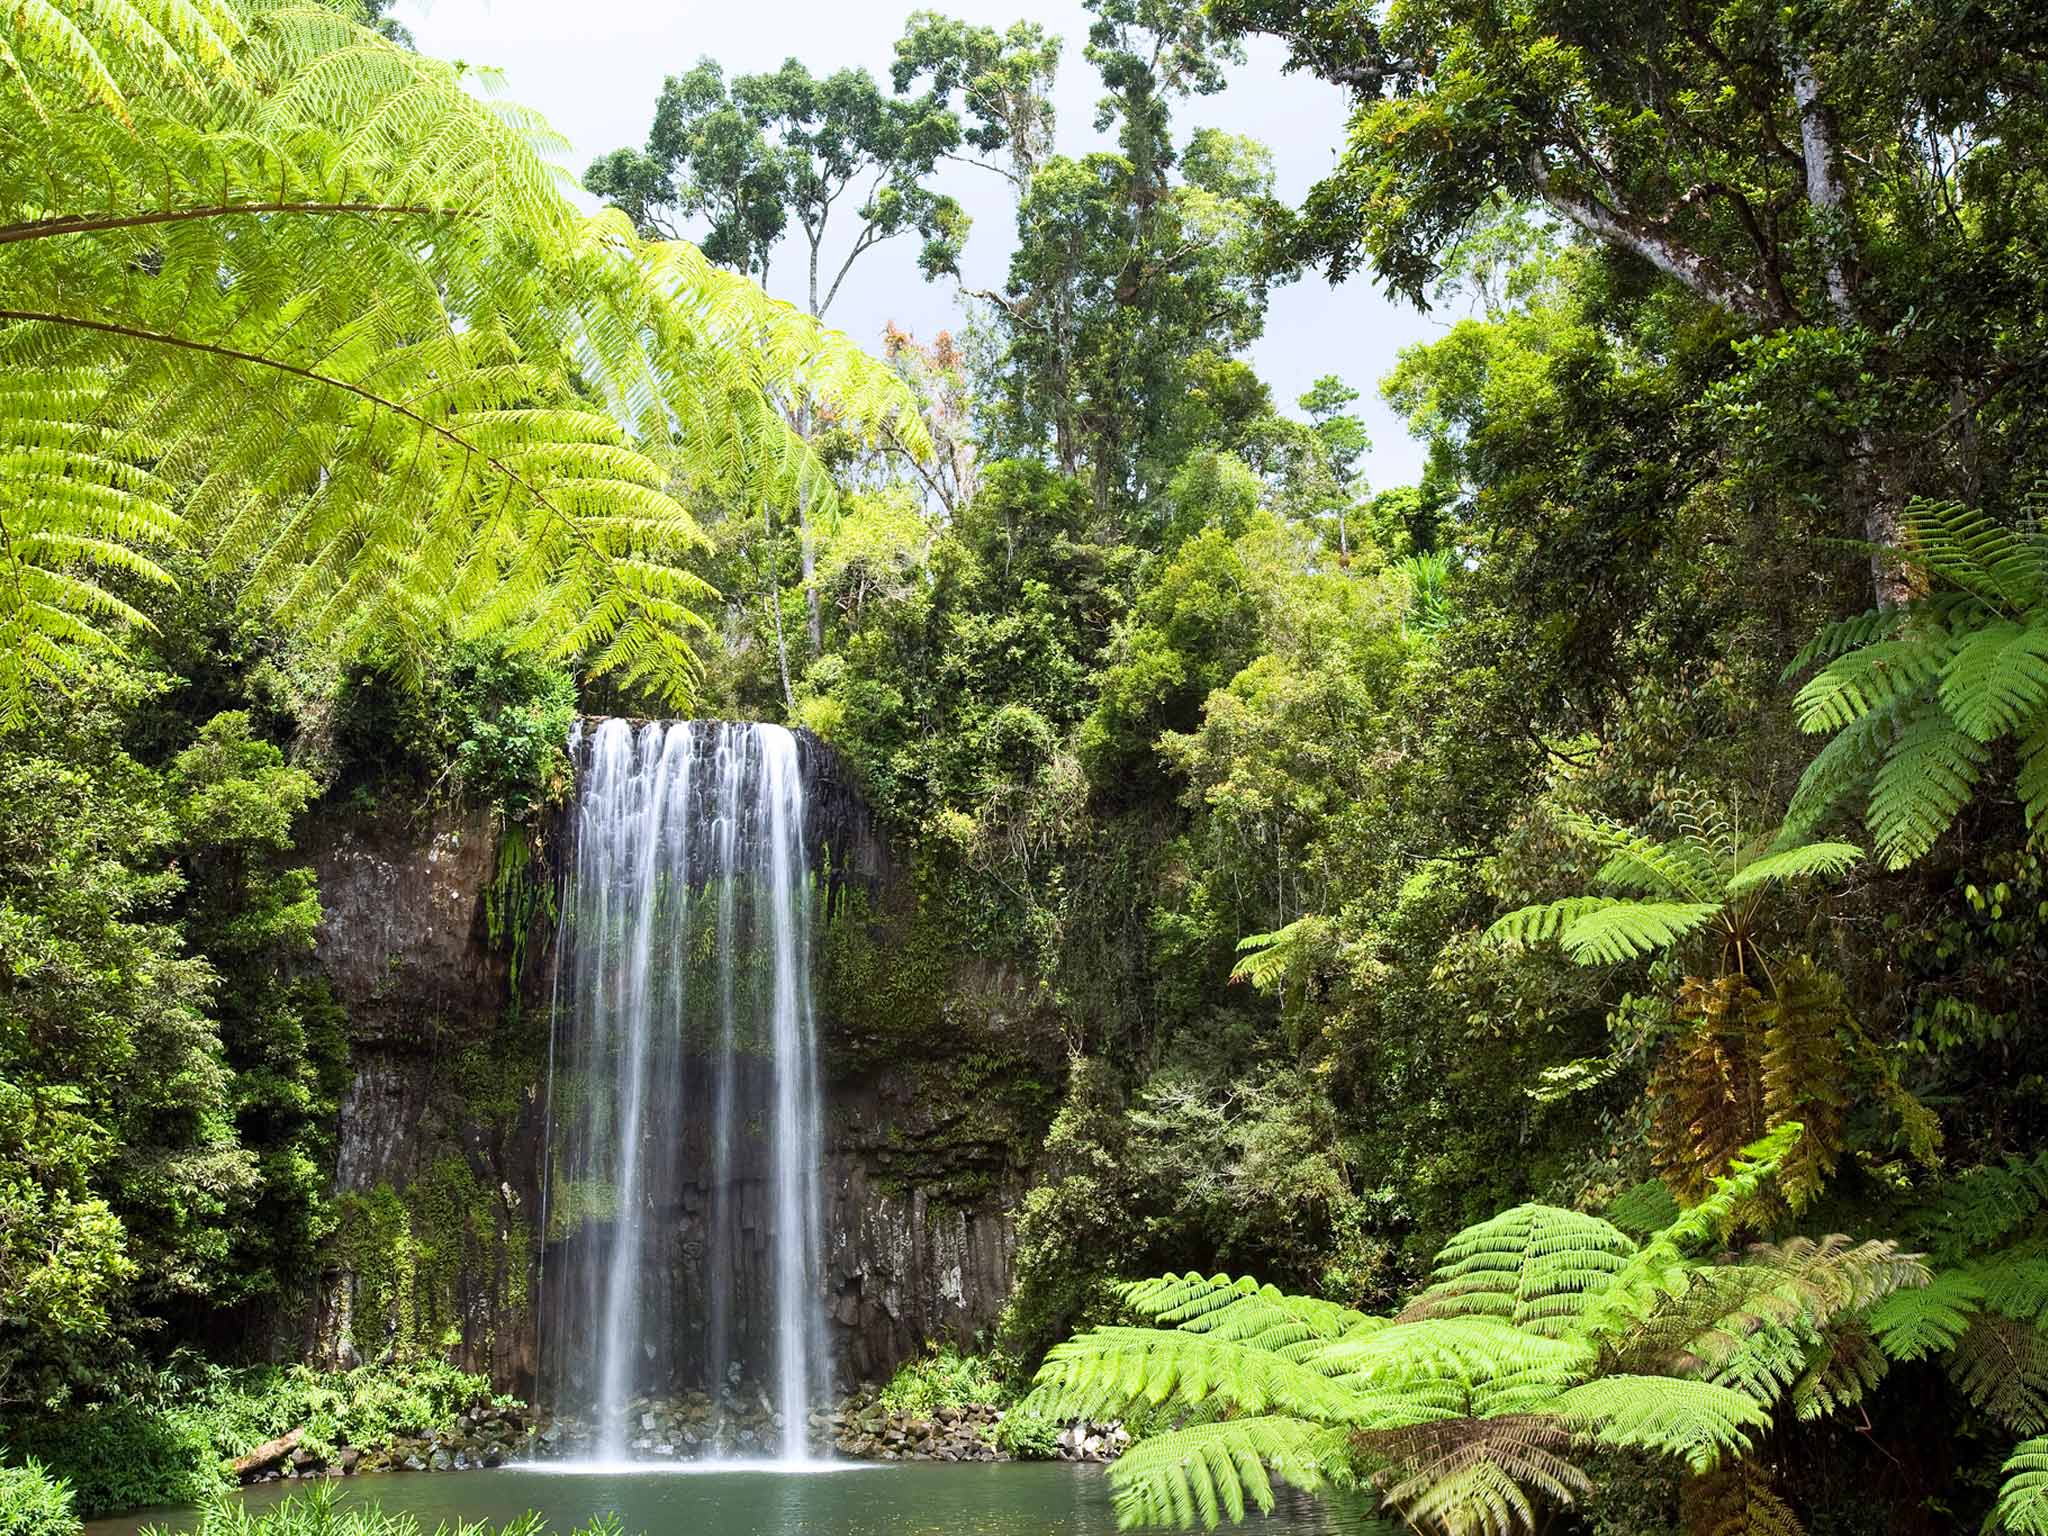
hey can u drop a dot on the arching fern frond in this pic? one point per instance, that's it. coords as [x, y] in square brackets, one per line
[279, 288]
[1244, 1312]
[1806, 861]
[1917, 698]
[1679, 870]
[1101, 1373]
[2022, 1508]
[1207, 1473]
[1927, 776]
[1534, 1266]
[1628, 930]
[1695, 1421]
[1928, 1320]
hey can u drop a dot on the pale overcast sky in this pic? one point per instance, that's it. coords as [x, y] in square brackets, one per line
[594, 68]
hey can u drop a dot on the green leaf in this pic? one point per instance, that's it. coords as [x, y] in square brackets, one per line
[1807, 861]
[1626, 930]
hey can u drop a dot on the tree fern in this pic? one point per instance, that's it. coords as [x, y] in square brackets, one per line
[1544, 1334]
[272, 284]
[1706, 878]
[1917, 699]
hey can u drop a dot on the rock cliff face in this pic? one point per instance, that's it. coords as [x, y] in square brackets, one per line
[939, 1078]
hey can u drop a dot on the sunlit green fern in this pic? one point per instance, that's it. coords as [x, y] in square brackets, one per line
[1545, 1335]
[1707, 879]
[1916, 698]
[277, 287]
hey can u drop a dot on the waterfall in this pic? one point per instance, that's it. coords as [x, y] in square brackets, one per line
[685, 1143]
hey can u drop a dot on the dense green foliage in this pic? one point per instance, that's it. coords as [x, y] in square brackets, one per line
[942, 1377]
[168, 1441]
[1430, 890]
[1547, 1335]
[33, 1503]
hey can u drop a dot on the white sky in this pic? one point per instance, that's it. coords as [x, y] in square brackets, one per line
[594, 68]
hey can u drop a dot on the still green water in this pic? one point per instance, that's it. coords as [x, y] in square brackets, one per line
[911, 1499]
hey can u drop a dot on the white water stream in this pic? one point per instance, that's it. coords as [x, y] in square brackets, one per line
[688, 1133]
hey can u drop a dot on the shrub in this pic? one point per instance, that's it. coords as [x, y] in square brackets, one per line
[944, 1378]
[126, 1455]
[33, 1503]
[1028, 1437]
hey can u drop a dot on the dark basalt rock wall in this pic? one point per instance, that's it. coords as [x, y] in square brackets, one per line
[939, 1076]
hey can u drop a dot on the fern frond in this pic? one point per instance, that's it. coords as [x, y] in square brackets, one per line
[1842, 770]
[1695, 1421]
[1844, 635]
[1846, 1367]
[2022, 1508]
[1643, 1209]
[2001, 1366]
[1805, 1072]
[1547, 920]
[1802, 862]
[1928, 1320]
[1672, 871]
[1477, 1477]
[381, 367]
[1872, 678]
[1102, 1373]
[1492, 1367]
[1997, 680]
[1974, 553]
[1244, 1312]
[1269, 957]
[1982, 1207]
[1206, 1473]
[1925, 779]
[1534, 1266]
[1708, 1084]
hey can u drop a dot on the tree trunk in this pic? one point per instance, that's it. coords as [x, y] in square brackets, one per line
[1873, 504]
[267, 1455]
[809, 554]
[773, 587]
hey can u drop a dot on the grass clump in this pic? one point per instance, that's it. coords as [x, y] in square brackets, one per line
[319, 1511]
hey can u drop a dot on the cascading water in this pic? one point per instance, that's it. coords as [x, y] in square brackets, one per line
[685, 1139]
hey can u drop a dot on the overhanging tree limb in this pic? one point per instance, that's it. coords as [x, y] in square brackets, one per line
[1699, 273]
